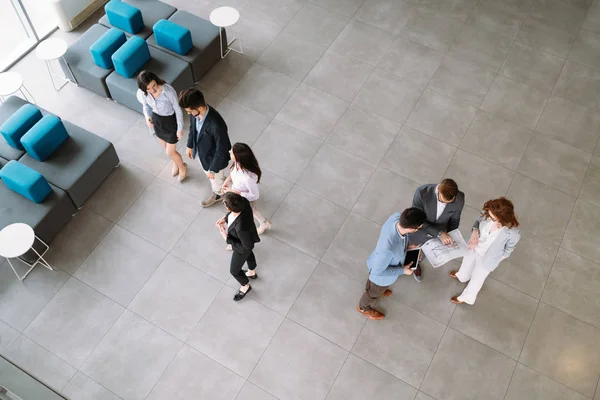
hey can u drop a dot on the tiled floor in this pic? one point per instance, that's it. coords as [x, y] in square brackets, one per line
[349, 105]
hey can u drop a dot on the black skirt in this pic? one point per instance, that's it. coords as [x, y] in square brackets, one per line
[165, 127]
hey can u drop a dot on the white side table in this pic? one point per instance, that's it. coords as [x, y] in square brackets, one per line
[16, 240]
[54, 49]
[224, 17]
[12, 82]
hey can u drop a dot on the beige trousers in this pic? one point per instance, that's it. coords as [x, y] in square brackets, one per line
[217, 183]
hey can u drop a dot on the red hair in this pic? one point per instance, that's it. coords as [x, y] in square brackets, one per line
[503, 210]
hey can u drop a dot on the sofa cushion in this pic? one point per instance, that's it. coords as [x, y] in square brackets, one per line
[19, 123]
[124, 16]
[103, 48]
[173, 36]
[25, 181]
[131, 57]
[152, 10]
[44, 137]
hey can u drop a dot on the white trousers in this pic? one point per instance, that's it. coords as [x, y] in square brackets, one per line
[217, 183]
[473, 271]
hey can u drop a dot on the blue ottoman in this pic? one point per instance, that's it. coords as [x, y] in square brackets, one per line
[25, 181]
[124, 16]
[131, 57]
[19, 123]
[45, 137]
[103, 48]
[173, 36]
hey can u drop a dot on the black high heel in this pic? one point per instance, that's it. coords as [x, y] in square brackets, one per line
[240, 295]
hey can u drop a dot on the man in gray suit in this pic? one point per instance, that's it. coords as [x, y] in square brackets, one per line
[442, 203]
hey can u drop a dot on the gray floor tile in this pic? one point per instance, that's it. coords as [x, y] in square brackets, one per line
[363, 134]
[418, 334]
[432, 28]
[308, 222]
[497, 140]
[527, 384]
[82, 387]
[323, 306]
[418, 156]
[40, 363]
[567, 15]
[540, 35]
[140, 148]
[442, 117]
[120, 265]
[462, 81]
[235, 334]
[542, 210]
[131, 357]
[460, 7]
[555, 339]
[412, 61]
[317, 25]
[345, 7]
[351, 247]
[363, 42]
[274, 13]
[586, 49]
[467, 218]
[336, 175]
[532, 67]
[324, 110]
[579, 236]
[388, 96]
[496, 17]
[579, 83]
[385, 14]
[339, 75]
[522, 7]
[7, 334]
[225, 74]
[458, 359]
[369, 204]
[481, 47]
[570, 123]
[243, 124]
[294, 357]
[273, 190]
[592, 19]
[423, 396]
[290, 55]
[515, 101]
[73, 335]
[284, 150]
[359, 380]
[253, 392]
[555, 164]
[175, 297]
[255, 36]
[479, 179]
[590, 189]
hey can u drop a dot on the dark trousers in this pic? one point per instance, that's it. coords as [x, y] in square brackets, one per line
[372, 293]
[237, 262]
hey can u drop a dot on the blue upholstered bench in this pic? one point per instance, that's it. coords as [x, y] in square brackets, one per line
[103, 48]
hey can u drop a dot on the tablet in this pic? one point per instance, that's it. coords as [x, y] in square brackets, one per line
[412, 255]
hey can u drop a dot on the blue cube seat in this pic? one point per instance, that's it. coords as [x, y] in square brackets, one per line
[152, 11]
[103, 48]
[173, 36]
[25, 181]
[44, 137]
[124, 16]
[18, 124]
[131, 56]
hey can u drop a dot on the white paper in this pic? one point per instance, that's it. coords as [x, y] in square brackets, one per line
[439, 254]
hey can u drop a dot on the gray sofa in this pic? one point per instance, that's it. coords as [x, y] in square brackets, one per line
[152, 12]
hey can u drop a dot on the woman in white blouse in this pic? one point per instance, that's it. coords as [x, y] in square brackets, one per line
[163, 115]
[494, 237]
[244, 178]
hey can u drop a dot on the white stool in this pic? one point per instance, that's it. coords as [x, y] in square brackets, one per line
[12, 82]
[54, 49]
[16, 240]
[224, 17]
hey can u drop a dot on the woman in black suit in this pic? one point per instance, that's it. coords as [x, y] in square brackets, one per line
[238, 229]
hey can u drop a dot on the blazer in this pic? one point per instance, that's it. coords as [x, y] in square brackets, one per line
[242, 234]
[502, 246]
[425, 199]
[212, 145]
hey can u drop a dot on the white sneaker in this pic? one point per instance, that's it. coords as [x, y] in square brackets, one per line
[263, 227]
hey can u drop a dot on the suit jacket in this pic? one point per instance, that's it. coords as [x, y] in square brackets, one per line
[425, 199]
[242, 234]
[502, 246]
[212, 145]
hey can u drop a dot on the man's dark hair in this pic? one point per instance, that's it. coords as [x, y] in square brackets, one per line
[448, 189]
[412, 218]
[234, 202]
[191, 98]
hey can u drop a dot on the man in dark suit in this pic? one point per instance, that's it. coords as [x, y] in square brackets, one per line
[442, 203]
[238, 229]
[208, 140]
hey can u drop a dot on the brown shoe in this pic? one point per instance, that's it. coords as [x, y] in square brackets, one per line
[371, 314]
[387, 293]
[210, 201]
[455, 300]
[453, 274]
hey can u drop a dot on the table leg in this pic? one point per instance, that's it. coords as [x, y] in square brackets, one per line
[23, 90]
[52, 75]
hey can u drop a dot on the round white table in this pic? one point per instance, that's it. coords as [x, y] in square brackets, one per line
[50, 50]
[16, 240]
[12, 82]
[224, 17]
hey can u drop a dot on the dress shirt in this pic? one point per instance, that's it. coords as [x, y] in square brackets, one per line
[200, 122]
[165, 104]
[386, 262]
[487, 236]
[230, 218]
[244, 182]
[440, 206]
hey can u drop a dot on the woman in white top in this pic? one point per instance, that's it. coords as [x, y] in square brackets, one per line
[494, 237]
[163, 115]
[243, 179]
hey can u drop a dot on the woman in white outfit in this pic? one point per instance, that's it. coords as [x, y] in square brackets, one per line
[495, 235]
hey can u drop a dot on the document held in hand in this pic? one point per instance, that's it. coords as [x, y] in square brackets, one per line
[439, 254]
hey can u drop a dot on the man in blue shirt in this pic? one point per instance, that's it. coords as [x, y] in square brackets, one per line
[386, 262]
